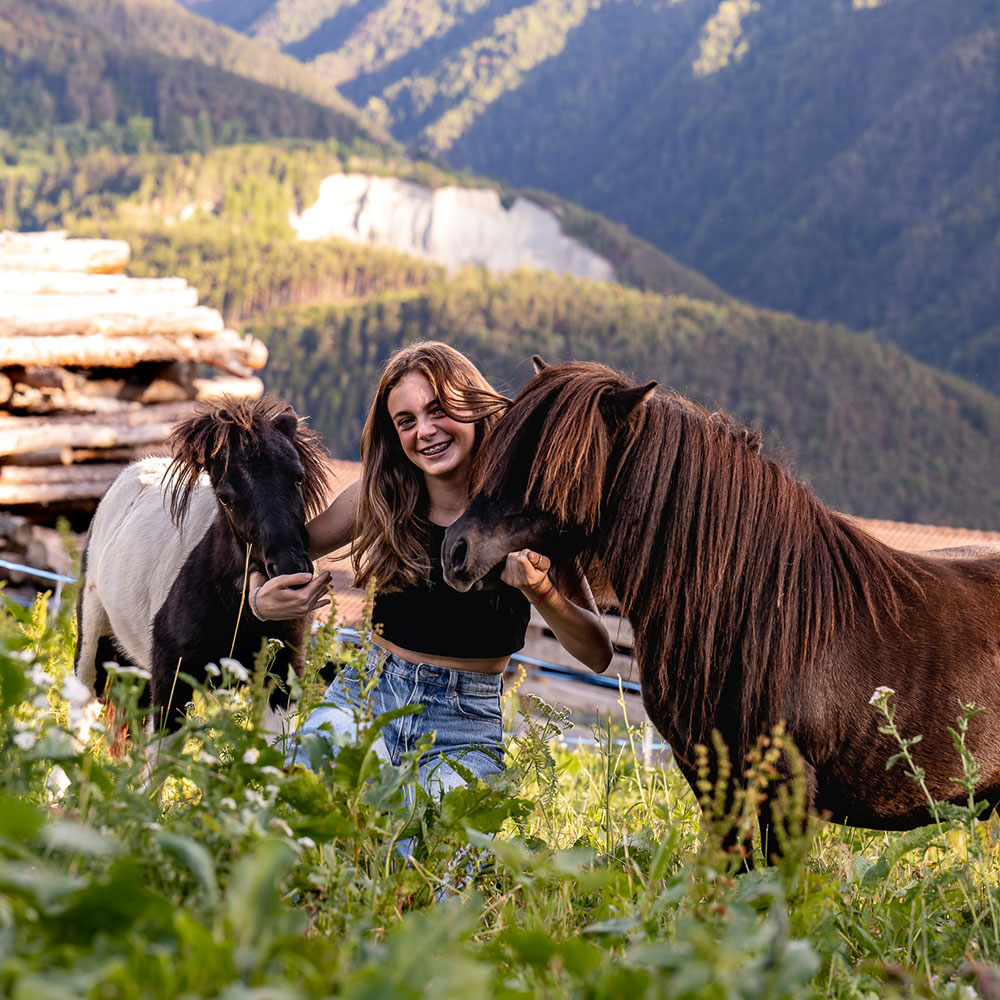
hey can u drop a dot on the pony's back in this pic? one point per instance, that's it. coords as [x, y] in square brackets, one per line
[135, 552]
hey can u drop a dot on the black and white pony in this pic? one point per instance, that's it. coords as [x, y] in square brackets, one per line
[171, 544]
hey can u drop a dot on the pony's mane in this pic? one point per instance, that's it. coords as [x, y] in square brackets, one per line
[234, 428]
[734, 573]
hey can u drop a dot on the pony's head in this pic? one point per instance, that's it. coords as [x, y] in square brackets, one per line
[267, 471]
[540, 477]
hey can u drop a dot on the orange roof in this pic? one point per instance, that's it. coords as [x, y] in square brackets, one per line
[923, 537]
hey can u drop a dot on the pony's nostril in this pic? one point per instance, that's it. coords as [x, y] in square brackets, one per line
[273, 570]
[459, 553]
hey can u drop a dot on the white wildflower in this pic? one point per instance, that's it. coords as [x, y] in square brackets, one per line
[235, 668]
[152, 825]
[271, 791]
[76, 693]
[281, 826]
[254, 798]
[39, 677]
[251, 756]
[881, 696]
[307, 842]
[25, 739]
[272, 772]
[208, 759]
[212, 670]
[40, 702]
[227, 803]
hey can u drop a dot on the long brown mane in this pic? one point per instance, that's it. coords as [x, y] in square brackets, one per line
[734, 573]
[235, 430]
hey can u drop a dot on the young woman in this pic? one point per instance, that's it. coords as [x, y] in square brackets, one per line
[433, 646]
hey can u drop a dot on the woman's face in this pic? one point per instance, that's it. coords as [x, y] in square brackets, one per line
[431, 440]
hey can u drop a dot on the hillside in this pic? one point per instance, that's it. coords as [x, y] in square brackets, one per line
[875, 432]
[839, 160]
[146, 71]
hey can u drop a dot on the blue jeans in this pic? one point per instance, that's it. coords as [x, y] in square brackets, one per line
[461, 710]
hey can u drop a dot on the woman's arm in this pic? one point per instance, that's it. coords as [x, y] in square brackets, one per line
[296, 594]
[574, 620]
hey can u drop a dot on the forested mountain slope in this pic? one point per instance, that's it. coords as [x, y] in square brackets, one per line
[836, 158]
[874, 431]
[147, 71]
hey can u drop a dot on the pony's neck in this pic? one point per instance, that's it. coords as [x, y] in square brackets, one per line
[733, 573]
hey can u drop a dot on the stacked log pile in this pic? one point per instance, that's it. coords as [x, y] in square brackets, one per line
[96, 368]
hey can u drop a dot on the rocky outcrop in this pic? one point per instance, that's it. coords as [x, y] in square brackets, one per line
[452, 225]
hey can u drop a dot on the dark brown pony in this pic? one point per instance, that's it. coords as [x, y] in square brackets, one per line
[170, 546]
[751, 602]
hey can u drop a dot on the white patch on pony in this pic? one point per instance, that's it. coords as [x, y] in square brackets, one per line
[134, 555]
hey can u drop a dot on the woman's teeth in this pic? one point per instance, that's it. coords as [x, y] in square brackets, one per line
[435, 449]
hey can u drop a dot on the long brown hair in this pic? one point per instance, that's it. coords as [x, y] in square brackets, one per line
[391, 545]
[736, 576]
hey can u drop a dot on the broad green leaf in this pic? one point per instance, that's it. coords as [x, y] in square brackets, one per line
[197, 860]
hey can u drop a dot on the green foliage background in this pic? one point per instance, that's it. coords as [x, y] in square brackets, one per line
[874, 432]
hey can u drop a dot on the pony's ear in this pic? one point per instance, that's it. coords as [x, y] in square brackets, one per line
[539, 363]
[619, 406]
[287, 422]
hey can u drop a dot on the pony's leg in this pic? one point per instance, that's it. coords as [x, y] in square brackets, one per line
[93, 639]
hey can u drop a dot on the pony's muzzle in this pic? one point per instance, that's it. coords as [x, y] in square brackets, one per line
[454, 560]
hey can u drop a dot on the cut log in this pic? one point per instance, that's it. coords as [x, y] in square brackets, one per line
[50, 489]
[54, 252]
[19, 475]
[226, 349]
[66, 283]
[228, 385]
[70, 456]
[128, 318]
[15, 532]
[26, 398]
[144, 425]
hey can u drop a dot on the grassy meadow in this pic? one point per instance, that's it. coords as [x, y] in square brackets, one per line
[582, 873]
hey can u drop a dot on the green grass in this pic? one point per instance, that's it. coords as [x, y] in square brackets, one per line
[581, 873]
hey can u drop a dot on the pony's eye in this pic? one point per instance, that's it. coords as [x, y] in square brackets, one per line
[225, 499]
[299, 481]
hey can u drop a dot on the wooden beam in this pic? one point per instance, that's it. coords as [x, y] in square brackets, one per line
[48, 316]
[54, 252]
[70, 456]
[140, 426]
[65, 283]
[50, 489]
[226, 349]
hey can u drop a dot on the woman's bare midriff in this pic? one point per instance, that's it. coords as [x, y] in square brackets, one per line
[489, 665]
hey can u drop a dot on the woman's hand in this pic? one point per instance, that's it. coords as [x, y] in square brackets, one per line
[292, 595]
[529, 572]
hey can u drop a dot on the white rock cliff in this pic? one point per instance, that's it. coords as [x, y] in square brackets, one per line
[452, 225]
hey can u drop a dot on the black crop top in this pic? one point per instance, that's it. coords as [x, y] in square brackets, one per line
[439, 621]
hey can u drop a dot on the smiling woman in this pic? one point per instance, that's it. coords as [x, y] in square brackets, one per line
[432, 646]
